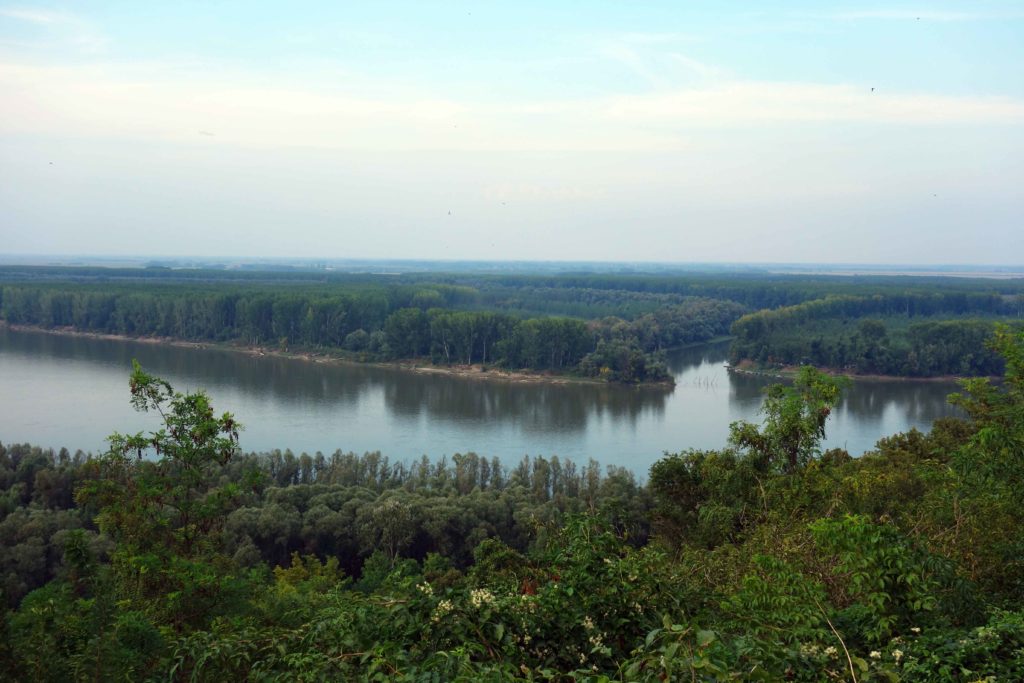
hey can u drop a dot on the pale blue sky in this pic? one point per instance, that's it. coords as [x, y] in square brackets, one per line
[667, 131]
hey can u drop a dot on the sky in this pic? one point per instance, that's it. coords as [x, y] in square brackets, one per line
[669, 131]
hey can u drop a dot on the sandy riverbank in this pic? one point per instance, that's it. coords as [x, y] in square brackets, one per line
[788, 372]
[475, 371]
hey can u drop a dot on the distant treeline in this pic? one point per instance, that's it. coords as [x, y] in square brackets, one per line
[586, 295]
[604, 325]
[756, 290]
[377, 323]
[907, 335]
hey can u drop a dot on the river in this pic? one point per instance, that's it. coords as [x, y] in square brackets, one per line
[73, 391]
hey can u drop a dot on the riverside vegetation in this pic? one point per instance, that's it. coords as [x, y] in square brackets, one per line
[606, 326]
[374, 319]
[174, 557]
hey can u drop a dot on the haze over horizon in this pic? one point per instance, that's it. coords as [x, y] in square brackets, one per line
[802, 132]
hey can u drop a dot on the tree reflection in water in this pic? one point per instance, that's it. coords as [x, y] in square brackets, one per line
[301, 405]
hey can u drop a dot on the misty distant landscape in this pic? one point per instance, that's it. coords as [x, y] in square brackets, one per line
[534, 341]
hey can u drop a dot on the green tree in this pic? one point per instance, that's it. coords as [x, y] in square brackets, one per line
[794, 423]
[990, 472]
[158, 499]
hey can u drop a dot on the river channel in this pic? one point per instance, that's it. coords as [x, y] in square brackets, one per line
[73, 391]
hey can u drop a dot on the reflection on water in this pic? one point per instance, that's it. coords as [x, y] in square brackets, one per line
[73, 391]
[539, 408]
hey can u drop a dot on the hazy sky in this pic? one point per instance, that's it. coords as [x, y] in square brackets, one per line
[701, 130]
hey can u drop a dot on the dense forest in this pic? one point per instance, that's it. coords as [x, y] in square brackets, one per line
[612, 326]
[442, 323]
[174, 557]
[913, 335]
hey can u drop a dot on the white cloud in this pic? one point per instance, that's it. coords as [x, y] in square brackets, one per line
[697, 67]
[59, 28]
[649, 57]
[161, 104]
[763, 102]
[627, 56]
[35, 16]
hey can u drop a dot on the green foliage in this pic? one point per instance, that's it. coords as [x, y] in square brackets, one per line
[704, 498]
[679, 652]
[778, 603]
[990, 471]
[917, 335]
[874, 325]
[991, 652]
[308, 573]
[794, 422]
[885, 582]
[165, 513]
[998, 412]
[622, 361]
[367, 319]
[707, 498]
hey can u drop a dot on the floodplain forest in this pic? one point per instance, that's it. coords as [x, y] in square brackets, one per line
[604, 326]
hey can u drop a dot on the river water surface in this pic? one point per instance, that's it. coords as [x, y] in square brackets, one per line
[73, 391]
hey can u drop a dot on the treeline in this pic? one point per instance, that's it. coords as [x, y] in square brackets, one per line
[337, 505]
[518, 298]
[581, 302]
[912, 336]
[882, 346]
[584, 295]
[763, 290]
[766, 559]
[469, 337]
[37, 510]
[254, 315]
[386, 324]
[692, 321]
[629, 351]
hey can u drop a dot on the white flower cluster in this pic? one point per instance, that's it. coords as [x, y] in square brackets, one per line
[596, 639]
[443, 608]
[831, 651]
[875, 654]
[480, 596]
[808, 649]
[897, 655]
[425, 588]
[527, 603]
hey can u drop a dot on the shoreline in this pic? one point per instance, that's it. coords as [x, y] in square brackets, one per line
[690, 345]
[788, 372]
[474, 372]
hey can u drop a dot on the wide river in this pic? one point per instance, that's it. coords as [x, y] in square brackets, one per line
[73, 391]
